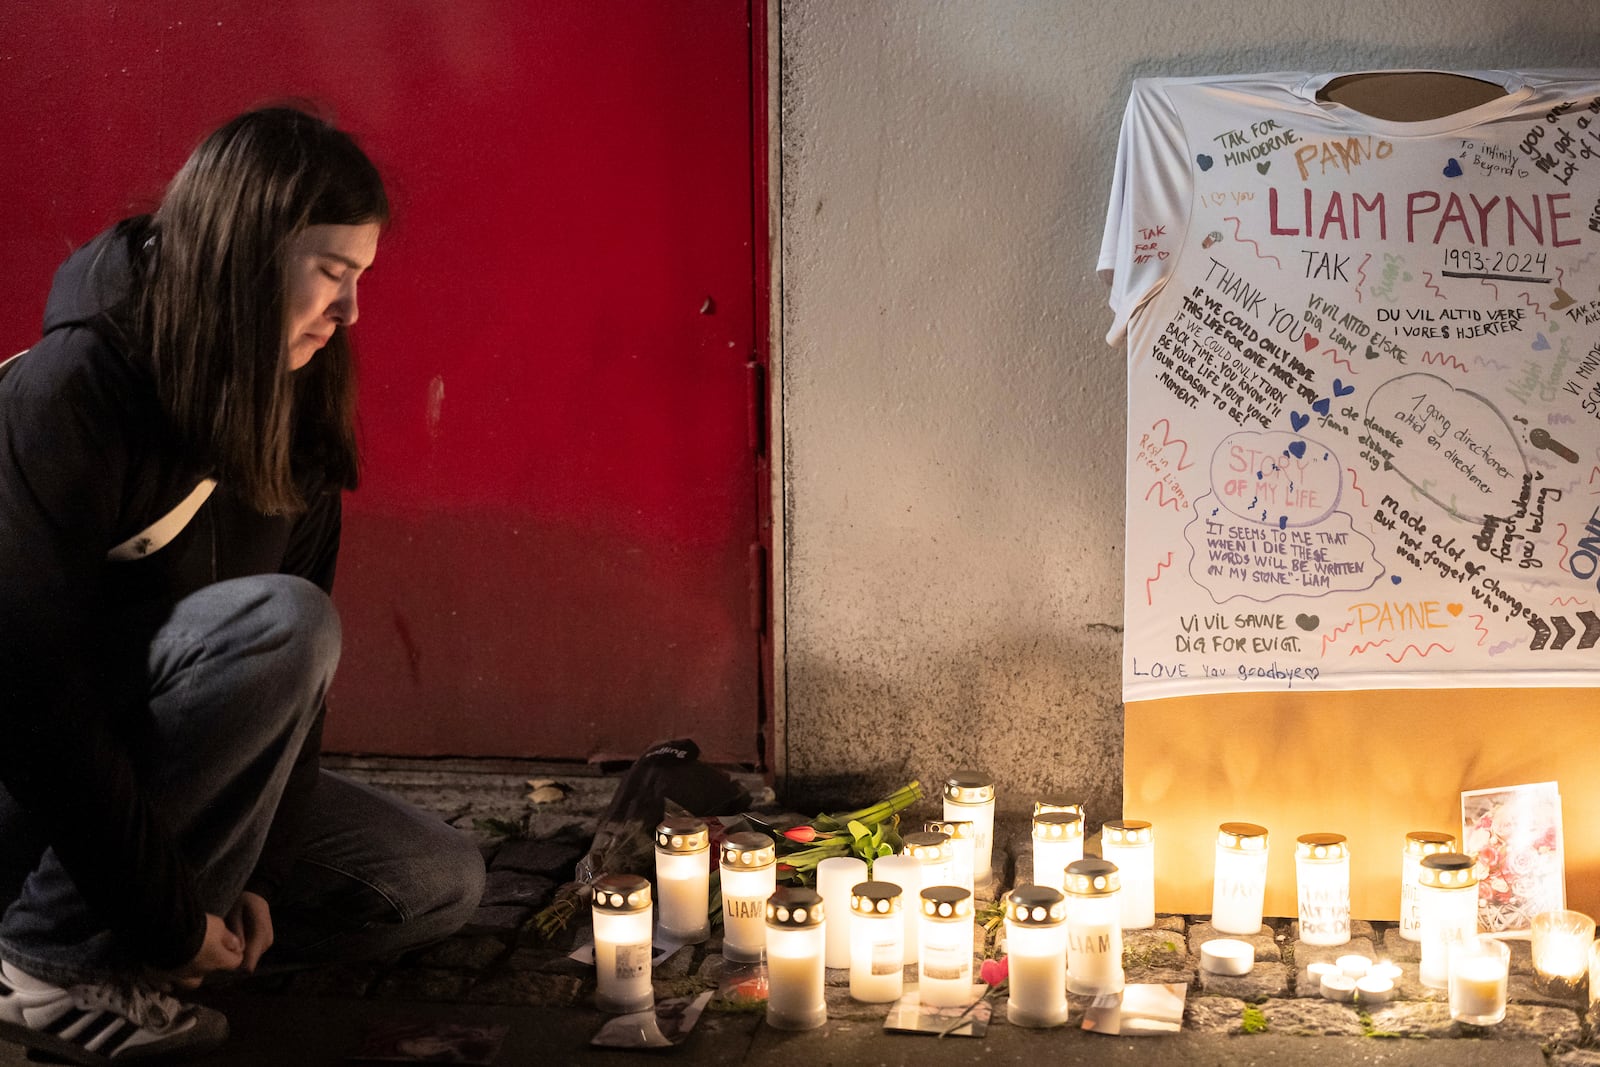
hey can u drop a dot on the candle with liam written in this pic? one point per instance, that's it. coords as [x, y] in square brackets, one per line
[1419, 844]
[1094, 928]
[1239, 888]
[749, 876]
[1322, 881]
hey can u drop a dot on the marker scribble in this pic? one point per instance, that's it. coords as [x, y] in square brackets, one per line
[1156, 577]
[1528, 299]
[1337, 358]
[1361, 274]
[1368, 646]
[1444, 359]
[1427, 276]
[1356, 487]
[1165, 500]
[1562, 541]
[1168, 439]
[1237, 236]
[1491, 285]
[1477, 622]
[1491, 363]
[1421, 653]
[1330, 638]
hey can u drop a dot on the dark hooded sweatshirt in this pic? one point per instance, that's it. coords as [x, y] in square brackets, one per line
[87, 463]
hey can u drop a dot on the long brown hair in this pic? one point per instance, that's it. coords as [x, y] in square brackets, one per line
[212, 309]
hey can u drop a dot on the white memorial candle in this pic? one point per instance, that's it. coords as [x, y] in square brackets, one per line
[877, 942]
[835, 876]
[622, 918]
[969, 797]
[963, 841]
[1057, 841]
[749, 875]
[932, 853]
[1561, 941]
[683, 878]
[1238, 890]
[906, 873]
[1448, 892]
[795, 920]
[1478, 979]
[1094, 928]
[1131, 845]
[944, 956]
[1036, 944]
[1322, 882]
[1418, 844]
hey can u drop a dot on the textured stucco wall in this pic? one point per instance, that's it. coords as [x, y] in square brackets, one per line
[951, 418]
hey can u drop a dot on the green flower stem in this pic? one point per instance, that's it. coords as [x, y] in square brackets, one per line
[893, 804]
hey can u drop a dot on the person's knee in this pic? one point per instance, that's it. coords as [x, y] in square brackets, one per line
[299, 622]
[452, 887]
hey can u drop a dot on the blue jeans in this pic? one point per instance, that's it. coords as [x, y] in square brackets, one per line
[236, 676]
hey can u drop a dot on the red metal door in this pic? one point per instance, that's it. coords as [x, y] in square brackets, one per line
[551, 552]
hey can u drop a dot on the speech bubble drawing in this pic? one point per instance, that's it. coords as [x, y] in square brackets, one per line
[1277, 478]
[1236, 557]
[1452, 445]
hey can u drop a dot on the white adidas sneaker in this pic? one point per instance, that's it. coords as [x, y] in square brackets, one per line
[99, 1024]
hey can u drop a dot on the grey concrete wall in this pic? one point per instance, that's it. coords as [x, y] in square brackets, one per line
[950, 419]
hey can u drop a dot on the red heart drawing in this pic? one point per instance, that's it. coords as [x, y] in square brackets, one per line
[1311, 343]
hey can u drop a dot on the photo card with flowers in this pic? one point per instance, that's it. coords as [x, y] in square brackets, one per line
[1515, 834]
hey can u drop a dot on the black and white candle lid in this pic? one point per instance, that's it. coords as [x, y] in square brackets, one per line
[955, 830]
[1092, 878]
[749, 851]
[683, 835]
[1321, 848]
[969, 787]
[929, 847]
[621, 894]
[1127, 832]
[876, 898]
[1242, 836]
[1448, 870]
[1057, 826]
[946, 902]
[1035, 905]
[1421, 843]
[794, 907]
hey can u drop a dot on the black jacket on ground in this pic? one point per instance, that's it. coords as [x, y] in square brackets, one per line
[86, 463]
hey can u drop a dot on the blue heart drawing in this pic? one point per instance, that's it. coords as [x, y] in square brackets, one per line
[1264, 166]
[1452, 169]
[1283, 521]
[1298, 421]
[1542, 344]
[1341, 389]
[1297, 449]
[1321, 407]
[1204, 161]
[1395, 578]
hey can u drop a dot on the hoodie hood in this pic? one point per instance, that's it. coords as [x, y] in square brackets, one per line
[97, 277]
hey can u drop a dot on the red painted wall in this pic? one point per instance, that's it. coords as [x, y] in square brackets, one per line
[550, 555]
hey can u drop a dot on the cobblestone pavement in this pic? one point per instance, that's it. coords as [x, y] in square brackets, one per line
[499, 970]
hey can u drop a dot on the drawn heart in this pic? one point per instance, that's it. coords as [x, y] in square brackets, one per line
[1264, 165]
[1563, 299]
[1297, 449]
[1306, 622]
[1322, 407]
[1341, 389]
[1541, 344]
[1454, 609]
[1311, 343]
[1372, 353]
[1395, 578]
[1452, 169]
[1299, 421]
[1283, 521]
[1204, 161]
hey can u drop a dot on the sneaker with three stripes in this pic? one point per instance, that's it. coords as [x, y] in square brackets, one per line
[99, 1024]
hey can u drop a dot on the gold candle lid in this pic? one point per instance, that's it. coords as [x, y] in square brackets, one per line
[876, 898]
[969, 787]
[946, 902]
[1321, 848]
[1127, 832]
[794, 907]
[1427, 842]
[1092, 878]
[1057, 802]
[963, 830]
[1057, 826]
[1448, 870]
[927, 847]
[621, 894]
[748, 851]
[683, 835]
[1243, 836]
[1035, 905]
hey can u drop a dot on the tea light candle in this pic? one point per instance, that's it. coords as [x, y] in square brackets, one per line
[969, 797]
[1131, 845]
[622, 918]
[1354, 966]
[944, 957]
[877, 942]
[963, 840]
[1561, 941]
[1316, 972]
[1418, 845]
[835, 876]
[683, 878]
[1385, 969]
[932, 851]
[1057, 841]
[1478, 978]
[906, 873]
[1225, 955]
[1339, 987]
[1448, 892]
[1094, 928]
[795, 939]
[1239, 887]
[749, 875]
[1373, 990]
[1036, 944]
[1322, 880]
